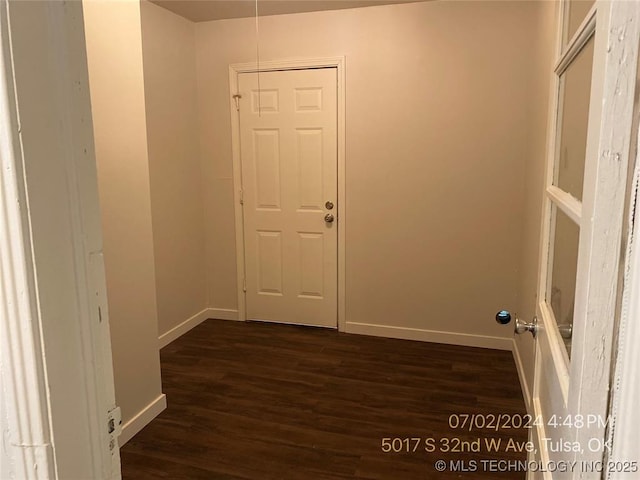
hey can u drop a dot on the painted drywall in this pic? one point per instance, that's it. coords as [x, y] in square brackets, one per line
[437, 121]
[114, 51]
[177, 208]
[533, 180]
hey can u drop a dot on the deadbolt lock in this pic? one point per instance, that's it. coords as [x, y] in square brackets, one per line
[329, 205]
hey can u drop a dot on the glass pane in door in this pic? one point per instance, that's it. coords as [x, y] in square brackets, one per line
[563, 258]
[574, 117]
[577, 12]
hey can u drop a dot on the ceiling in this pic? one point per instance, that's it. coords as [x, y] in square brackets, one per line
[205, 10]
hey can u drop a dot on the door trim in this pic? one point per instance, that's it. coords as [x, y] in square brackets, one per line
[22, 365]
[55, 349]
[290, 64]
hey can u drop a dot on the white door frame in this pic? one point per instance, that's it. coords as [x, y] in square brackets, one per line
[291, 64]
[606, 244]
[57, 395]
[625, 389]
[22, 365]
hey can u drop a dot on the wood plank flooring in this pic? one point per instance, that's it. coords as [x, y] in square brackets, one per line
[263, 401]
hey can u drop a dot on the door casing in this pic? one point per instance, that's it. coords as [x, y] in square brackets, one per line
[289, 64]
[58, 401]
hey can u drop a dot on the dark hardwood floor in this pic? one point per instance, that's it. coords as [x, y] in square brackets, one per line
[263, 401]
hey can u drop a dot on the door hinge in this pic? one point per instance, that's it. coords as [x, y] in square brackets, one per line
[237, 98]
[241, 197]
[114, 426]
[244, 284]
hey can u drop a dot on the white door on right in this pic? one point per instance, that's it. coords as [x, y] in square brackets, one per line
[581, 241]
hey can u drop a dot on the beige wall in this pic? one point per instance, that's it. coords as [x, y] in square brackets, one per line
[445, 151]
[117, 97]
[168, 44]
[438, 97]
[540, 83]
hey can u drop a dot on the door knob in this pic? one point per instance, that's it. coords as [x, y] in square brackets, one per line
[503, 317]
[566, 331]
[521, 327]
[329, 218]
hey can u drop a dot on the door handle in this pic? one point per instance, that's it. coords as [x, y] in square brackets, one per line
[566, 331]
[329, 218]
[504, 316]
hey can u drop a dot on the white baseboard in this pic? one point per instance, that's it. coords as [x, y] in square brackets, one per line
[451, 338]
[142, 419]
[223, 313]
[179, 330]
[524, 385]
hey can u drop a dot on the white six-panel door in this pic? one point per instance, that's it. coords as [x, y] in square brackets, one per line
[288, 149]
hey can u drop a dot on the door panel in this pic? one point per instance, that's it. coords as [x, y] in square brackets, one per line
[562, 235]
[288, 143]
[266, 157]
[311, 266]
[308, 166]
[569, 264]
[269, 263]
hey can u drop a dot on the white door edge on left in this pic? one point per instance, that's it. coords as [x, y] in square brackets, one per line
[57, 393]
